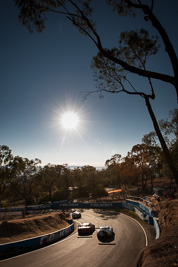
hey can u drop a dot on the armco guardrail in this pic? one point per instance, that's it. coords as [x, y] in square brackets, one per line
[10, 249]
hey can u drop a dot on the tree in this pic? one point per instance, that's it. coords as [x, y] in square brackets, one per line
[64, 181]
[90, 180]
[135, 47]
[125, 170]
[113, 160]
[5, 159]
[169, 128]
[111, 65]
[48, 175]
[23, 173]
[130, 171]
[33, 15]
[114, 165]
[145, 157]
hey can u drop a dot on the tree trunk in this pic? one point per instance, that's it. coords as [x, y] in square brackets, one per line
[166, 152]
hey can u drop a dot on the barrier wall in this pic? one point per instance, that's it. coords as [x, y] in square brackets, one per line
[10, 249]
[144, 213]
[75, 205]
[30, 244]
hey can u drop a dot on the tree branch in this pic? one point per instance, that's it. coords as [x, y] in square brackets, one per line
[157, 25]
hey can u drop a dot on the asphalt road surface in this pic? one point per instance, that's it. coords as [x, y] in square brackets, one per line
[88, 251]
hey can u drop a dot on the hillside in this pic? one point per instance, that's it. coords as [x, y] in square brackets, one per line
[163, 251]
[32, 226]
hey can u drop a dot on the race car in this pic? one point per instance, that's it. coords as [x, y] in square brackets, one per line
[76, 214]
[105, 234]
[86, 229]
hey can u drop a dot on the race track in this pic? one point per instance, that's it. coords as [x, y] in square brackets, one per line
[87, 251]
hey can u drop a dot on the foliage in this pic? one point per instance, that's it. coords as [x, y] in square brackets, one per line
[33, 15]
[5, 159]
[113, 66]
[25, 180]
[169, 128]
[23, 172]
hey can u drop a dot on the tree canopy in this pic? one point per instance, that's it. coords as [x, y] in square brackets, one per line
[33, 15]
[112, 66]
[24, 179]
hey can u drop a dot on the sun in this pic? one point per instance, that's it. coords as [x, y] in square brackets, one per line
[69, 120]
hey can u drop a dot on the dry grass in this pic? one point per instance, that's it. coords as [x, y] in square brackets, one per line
[32, 226]
[163, 251]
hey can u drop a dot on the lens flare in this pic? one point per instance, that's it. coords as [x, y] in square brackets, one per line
[69, 120]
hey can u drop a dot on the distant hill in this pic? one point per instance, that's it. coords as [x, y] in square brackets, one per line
[75, 167]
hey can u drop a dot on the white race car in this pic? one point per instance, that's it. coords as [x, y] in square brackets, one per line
[105, 234]
[86, 229]
[76, 214]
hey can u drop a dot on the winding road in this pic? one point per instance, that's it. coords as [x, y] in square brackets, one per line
[130, 239]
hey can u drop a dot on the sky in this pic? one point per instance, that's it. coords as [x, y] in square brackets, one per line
[44, 74]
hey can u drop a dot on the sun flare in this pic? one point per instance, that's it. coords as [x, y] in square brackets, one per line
[69, 120]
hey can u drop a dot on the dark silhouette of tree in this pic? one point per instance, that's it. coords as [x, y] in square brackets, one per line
[169, 128]
[33, 14]
[5, 159]
[23, 172]
[112, 66]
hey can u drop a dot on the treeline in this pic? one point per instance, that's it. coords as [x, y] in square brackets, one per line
[24, 179]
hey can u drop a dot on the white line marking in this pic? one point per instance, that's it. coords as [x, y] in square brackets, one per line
[140, 226]
[33, 251]
[66, 238]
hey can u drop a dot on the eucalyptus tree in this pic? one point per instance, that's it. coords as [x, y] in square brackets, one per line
[140, 153]
[111, 66]
[90, 178]
[122, 171]
[113, 165]
[130, 171]
[5, 159]
[77, 177]
[135, 48]
[115, 159]
[65, 182]
[169, 128]
[48, 178]
[23, 173]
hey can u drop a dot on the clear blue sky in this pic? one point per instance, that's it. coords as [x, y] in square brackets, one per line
[42, 75]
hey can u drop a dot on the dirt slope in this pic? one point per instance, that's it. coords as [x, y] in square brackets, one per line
[32, 226]
[163, 251]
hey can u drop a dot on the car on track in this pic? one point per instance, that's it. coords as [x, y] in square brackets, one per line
[76, 214]
[105, 233]
[86, 229]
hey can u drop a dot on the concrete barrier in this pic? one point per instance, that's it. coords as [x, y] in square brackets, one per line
[29, 244]
[144, 213]
[156, 226]
[14, 248]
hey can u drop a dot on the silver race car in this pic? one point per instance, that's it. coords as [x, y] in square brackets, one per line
[76, 214]
[105, 234]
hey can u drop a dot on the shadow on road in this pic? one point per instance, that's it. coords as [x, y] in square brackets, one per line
[107, 244]
[84, 236]
[107, 214]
